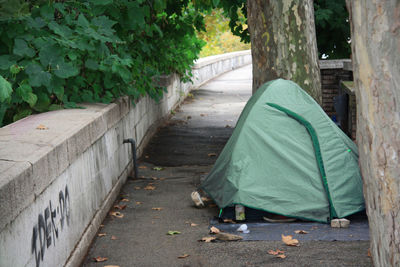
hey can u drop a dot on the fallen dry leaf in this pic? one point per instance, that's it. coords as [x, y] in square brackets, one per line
[369, 253]
[282, 256]
[228, 221]
[157, 208]
[214, 230]
[100, 259]
[113, 237]
[289, 241]
[149, 187]
[162, 178]
[116, 214]
[205, 199]
[101, 234]
[101, 225]
[193, 224]
[42, 127]
[142, 167]
[154, 178]
[301, 232]
[137, 187]
[125, 200]
[212, 154]
[138, 203]
[212, 205]
[273, 252]
[183, 256]
[120, 207]
[208, 239]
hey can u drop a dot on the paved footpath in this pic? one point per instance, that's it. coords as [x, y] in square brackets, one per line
[159, 201]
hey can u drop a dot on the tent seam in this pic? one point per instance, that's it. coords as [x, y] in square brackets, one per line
[317, 151]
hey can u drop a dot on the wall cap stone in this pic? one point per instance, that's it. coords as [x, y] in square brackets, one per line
[335, 64]
[212, 59]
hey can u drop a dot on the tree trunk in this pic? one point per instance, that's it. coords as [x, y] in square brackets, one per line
[375, 39]
[283, 43]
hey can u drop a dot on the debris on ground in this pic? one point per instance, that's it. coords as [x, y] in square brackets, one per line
[243, 228]
[214, 230]
[289, 241]
[301, 232]
[173, 232]
[208, 239]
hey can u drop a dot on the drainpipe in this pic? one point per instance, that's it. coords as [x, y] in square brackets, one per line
[133, 146]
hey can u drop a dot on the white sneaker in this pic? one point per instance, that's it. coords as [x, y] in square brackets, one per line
[197, 199]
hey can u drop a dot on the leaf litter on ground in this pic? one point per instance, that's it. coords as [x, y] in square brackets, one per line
[119, 207]
[214, 230]
[289, 241]
[277, 253]
[149, 187]
[100, 259]
[183, 256]
[301, 232]
[116, 214]
[157, 208]
[208, 239]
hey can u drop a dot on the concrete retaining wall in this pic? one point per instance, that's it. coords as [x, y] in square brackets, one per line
[60, 171]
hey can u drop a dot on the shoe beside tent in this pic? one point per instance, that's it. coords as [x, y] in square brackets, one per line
[287, 157]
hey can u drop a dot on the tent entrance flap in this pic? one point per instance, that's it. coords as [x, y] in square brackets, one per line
[317, 151]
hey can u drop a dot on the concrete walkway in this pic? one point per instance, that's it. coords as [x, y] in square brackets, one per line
[159, 201]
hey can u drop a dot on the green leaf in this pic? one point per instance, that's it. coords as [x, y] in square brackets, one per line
[5, 89]
[37, 76]
[25, 92]
[43, 102]
[47, 11]
[36, 23]
[6, 62]
[3, 109]
[173, 232]
[22, 114]
[59, 29]
[91, 64]
[101, 2]
[65, 70]
[55, 107]
[136, 17]
[216, 3]
[82, 21]
[48, 55]
[57, 86]
[21, 48]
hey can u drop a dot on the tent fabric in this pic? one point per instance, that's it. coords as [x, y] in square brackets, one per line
[286, 156]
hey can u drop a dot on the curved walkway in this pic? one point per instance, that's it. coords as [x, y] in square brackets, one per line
[159, 201]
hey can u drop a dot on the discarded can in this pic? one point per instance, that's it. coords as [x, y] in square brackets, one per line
[239, 213]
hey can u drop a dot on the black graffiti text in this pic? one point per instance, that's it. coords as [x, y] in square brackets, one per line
[45, 232]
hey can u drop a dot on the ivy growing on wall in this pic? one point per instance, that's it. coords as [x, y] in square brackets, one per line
[55, 54]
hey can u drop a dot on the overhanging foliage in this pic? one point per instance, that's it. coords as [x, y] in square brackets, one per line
[54, 54]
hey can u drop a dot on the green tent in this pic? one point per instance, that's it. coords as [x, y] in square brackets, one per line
[287, 157]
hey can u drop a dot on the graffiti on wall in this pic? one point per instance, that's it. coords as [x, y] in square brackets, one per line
[54, 218]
